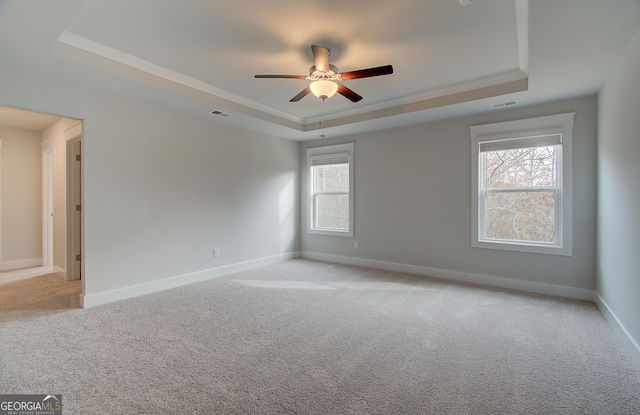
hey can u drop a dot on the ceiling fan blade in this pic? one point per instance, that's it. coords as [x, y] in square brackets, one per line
[367, 73]
[320, 57]
[346, 92]
[282, 76]
[301, 95]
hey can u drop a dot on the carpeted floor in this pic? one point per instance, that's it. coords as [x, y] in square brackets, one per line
[307, 337]
[38, 295]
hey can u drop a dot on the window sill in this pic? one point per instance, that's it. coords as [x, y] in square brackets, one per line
[328, 232]
[524, 247]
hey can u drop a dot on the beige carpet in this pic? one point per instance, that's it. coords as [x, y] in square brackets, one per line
[306, 337]
[39, 295]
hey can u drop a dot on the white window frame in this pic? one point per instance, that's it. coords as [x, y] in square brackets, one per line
[323, 153]
[531, 127]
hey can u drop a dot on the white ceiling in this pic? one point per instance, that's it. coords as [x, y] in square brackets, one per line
[26, 120]
[200, 55]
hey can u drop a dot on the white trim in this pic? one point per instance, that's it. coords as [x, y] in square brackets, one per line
[115, 55]
[93, 300]
[1, 140]
[23, 274]
[22, 263]
[627, 340]
[508, 82]
[73, 197]
[48, 192]
[466, 277]
[522, 28]
[48, 143]
[74, 131]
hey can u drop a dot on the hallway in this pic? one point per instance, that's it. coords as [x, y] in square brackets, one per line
[42, 293]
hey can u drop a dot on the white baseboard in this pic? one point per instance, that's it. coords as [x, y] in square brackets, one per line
[501, 282]
[627, 340]
[23, 274]
[92, 300]
[23, 263]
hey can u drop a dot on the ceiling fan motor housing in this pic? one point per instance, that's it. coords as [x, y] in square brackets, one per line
[330, 75]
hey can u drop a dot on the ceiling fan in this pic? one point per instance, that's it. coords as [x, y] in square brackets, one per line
[326, 77]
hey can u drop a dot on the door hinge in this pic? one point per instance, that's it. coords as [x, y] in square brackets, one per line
[78, 208]
[78, 257]
[77, 157]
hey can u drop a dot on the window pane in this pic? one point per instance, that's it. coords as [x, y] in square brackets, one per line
[331, 178]
[521, 167]
[520, 216]
[332, 211]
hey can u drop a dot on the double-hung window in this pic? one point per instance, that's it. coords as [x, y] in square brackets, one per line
[522, 185]
[331, 190]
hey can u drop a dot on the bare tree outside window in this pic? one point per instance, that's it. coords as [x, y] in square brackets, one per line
[331, 190]
[331, 184]
[520, 193]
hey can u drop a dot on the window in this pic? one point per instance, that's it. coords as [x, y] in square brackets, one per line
[521, 185]
[331, 190]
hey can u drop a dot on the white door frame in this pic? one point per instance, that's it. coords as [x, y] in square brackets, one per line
[1, 200]
[74, 204]
[48, 172]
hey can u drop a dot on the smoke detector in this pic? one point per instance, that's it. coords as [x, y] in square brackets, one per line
[466, 2]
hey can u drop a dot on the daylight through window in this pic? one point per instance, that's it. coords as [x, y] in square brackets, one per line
[331, 202]
[520, 189]
[522, 185]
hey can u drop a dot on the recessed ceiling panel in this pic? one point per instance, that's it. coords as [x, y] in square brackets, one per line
[431, 44]
[449, 60]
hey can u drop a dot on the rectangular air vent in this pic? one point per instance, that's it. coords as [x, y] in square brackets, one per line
[220, 113]
[505, 104]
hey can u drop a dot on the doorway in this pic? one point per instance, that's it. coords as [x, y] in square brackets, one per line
[57, 220]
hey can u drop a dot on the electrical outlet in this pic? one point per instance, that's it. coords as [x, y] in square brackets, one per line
[216, 252]
[355, 244]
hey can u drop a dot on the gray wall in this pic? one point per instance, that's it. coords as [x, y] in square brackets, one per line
[618, 286]
[21, 186]
[162, 188]
[413, 200]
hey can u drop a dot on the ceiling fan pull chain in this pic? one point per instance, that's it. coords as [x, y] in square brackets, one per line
[322, 118]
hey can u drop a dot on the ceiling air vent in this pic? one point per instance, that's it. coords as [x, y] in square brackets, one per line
[505, 104]
[220, 113]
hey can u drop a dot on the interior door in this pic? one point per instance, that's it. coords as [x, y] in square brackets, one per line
[74, 228]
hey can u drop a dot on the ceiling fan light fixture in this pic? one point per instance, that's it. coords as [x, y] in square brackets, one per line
[324, 77]
[323, 89]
